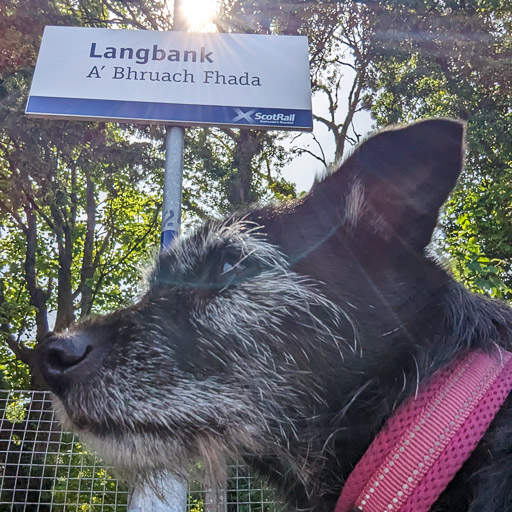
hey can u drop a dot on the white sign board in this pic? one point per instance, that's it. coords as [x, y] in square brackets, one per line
[173, 77]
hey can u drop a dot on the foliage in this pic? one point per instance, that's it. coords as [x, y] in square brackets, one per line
[79, 202]
[454, 59]
[91, 488]
[339, 35]
[243, 493]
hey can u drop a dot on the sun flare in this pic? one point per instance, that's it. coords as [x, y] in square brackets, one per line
[199, 13]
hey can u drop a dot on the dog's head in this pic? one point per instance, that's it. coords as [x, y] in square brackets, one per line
[258, 326]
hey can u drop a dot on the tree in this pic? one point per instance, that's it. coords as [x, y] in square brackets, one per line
[454, 58]
[75, 206]
[339, 40]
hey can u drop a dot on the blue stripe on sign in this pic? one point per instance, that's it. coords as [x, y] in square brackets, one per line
[170, 112]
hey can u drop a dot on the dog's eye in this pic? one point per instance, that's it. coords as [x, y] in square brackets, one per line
[227, 267]
[224, 269]
[231, 268]
[232, 265]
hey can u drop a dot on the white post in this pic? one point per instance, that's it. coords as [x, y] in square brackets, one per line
[172, 495]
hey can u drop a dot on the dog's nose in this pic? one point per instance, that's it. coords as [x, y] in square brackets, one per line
[63, 352]
[63, 357]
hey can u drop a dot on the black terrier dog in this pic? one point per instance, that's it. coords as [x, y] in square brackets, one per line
[286, 336]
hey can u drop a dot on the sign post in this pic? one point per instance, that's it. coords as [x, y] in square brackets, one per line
[174, 492]
[178, 79]
[171, 207]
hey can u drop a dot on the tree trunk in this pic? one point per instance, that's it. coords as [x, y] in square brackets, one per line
[87, 263]
[65, 313]
[239, 190]
[38, 297]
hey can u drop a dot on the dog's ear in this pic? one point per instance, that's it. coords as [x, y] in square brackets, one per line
[395, 183]
[390, 190]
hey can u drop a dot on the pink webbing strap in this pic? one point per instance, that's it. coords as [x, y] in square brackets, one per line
[428, 439]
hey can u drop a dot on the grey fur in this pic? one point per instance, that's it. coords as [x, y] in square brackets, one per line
[257, 398]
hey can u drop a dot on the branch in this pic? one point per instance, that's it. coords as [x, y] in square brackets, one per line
[97, 257]
[109, 269]
[14, 214]
[38, 297]
[353, 102]
[333, 127]
[194, 208]
[87, 270]
[347, 64]
[123, 19]
[31, 201]
[320, 159]
[320, 148]
[19, 350]
[356, 135]
[332, 102]
[147, 14]
[73, 198]
[230, 132]
[317, 55]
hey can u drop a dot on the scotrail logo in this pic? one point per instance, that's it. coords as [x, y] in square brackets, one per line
[246, 116]
[254, 117]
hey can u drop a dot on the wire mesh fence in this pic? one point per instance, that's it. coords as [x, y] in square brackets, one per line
[45, 469]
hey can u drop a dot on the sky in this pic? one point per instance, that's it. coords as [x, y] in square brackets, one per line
[302, 170]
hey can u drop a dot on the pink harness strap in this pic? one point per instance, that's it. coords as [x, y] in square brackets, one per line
[429, 437]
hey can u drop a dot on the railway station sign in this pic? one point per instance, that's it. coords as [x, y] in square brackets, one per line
[179, 78]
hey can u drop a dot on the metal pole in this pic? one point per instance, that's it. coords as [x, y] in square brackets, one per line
[172, 495]
[171, 208]
[174, 147]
